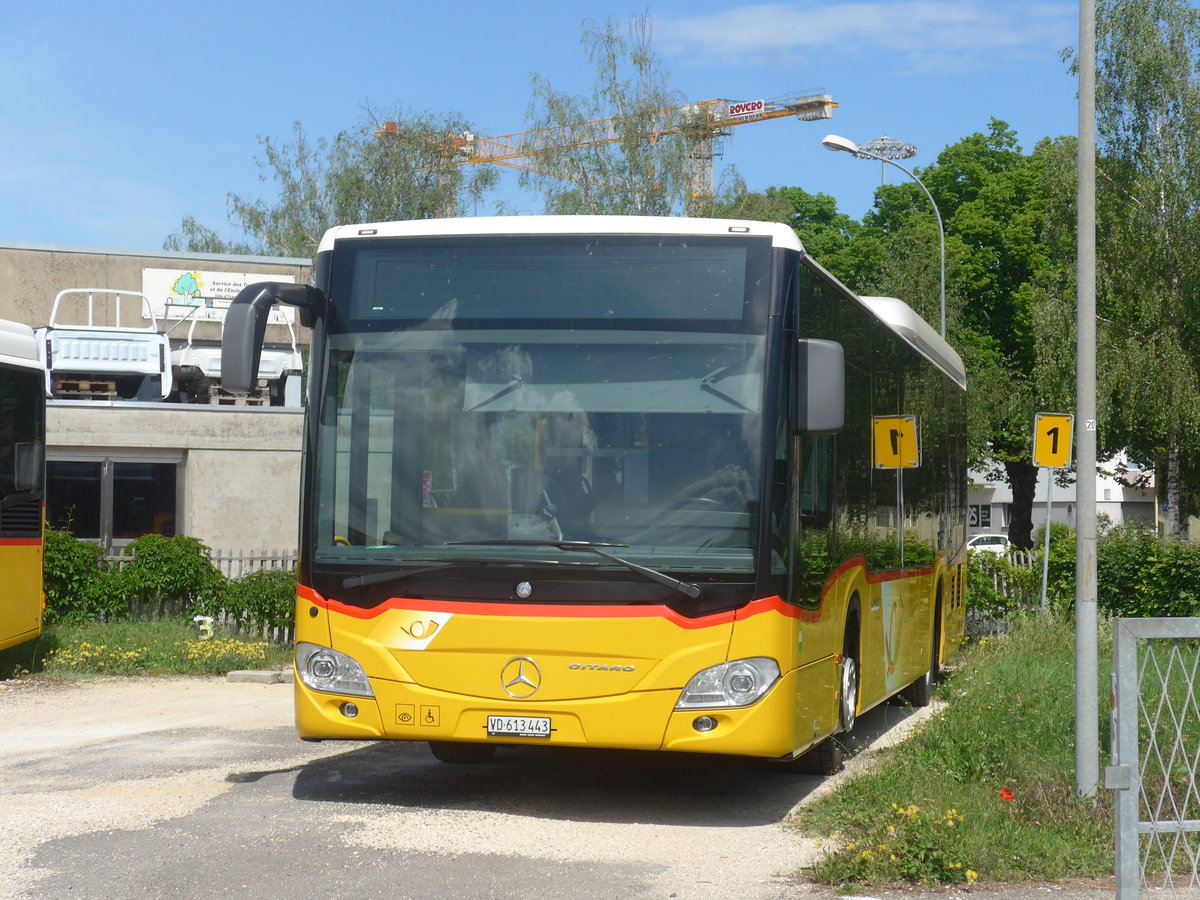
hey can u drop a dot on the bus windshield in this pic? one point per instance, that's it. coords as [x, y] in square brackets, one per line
[515, 389]
[649, 440]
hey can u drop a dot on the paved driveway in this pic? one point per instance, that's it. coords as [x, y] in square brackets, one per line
[199, 788]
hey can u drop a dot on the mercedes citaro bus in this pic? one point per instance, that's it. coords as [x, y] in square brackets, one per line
[22, 484]
[620, 482]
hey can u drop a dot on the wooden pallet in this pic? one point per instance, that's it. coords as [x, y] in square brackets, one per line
[222, 397]
[85, 389]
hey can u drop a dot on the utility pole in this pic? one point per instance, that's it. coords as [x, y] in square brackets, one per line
[1087, 726]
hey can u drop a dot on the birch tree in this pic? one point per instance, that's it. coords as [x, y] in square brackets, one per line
[1147, 106]
[387, 168]
[623, 148]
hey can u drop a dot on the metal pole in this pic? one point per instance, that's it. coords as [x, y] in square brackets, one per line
[1087, 726]
[1125, 759]
[1046, 543]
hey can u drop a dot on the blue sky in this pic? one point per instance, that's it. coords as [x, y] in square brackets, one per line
[120, 118]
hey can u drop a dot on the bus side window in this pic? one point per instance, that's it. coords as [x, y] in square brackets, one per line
[816, 481]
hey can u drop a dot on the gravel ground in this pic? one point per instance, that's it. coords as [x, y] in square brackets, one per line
[203, 782]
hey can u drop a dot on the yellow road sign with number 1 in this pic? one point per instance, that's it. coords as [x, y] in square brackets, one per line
[1052, 433]
[895, 442]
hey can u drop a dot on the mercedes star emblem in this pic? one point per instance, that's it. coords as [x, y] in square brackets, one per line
[520, 677]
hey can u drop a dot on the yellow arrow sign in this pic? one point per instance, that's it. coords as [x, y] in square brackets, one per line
[1052, 434]
[895, 443]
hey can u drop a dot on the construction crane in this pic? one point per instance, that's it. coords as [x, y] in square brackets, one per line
[703, 124]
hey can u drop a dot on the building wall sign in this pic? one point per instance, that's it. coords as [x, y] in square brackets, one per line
[979, 516]
[204, 295]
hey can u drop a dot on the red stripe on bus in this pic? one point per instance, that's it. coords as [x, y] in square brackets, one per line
[772, 604]
[20, 542]
[542, 610]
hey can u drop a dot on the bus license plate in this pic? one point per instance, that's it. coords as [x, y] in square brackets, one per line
[518, 726]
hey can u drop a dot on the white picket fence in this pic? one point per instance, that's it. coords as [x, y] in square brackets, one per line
[233, 564]
[982, 621]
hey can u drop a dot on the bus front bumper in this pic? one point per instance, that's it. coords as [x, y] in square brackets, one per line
[787, 719]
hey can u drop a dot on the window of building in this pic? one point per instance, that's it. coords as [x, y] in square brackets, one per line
[114, 498]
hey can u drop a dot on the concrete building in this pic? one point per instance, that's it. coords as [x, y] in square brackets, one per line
[123, 462]
[991, 502]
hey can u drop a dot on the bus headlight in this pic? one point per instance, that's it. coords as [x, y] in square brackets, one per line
[323, 669]
[737, 683]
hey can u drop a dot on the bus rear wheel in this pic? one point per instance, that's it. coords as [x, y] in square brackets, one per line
[453, 752]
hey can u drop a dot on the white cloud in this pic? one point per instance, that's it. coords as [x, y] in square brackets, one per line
[923, 34]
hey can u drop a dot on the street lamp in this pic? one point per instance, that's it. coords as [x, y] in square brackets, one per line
[836, 142]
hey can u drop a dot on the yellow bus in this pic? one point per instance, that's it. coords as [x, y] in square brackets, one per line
[22, 484]
[614, 482]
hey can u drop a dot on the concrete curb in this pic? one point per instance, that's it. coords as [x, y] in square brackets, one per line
[262, 676]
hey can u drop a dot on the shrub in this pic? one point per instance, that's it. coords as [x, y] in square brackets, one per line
[1142, 575]
[1060, 577]
[1138, 573]
[997, 586]
[163, 577]
[169, 576]
[78, 589]
[266, 599]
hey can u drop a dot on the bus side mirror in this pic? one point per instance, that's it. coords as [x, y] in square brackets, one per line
[820, 388]
[246, 325]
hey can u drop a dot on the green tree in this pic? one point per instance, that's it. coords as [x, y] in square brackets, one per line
[1015, 319]
[623, 149]
[1010, 243]
[401, 166]
[1009, 286]
[835, 240]
[1147, 94]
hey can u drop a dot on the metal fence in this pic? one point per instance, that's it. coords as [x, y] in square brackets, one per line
[1155, 749]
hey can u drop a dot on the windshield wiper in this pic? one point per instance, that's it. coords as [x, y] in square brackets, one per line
[516, 382]
[355, 581]
[708, 383]
[684, 587]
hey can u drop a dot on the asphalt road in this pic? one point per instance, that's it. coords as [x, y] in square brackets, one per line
[196, 788]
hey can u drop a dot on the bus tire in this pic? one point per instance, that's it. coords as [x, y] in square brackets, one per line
[825, 759]
[454, 752]
[848, 689]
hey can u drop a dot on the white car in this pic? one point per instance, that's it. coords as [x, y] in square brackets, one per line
[990, 543]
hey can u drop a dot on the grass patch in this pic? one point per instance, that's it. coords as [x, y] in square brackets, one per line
[985, 790]
[137, 648]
